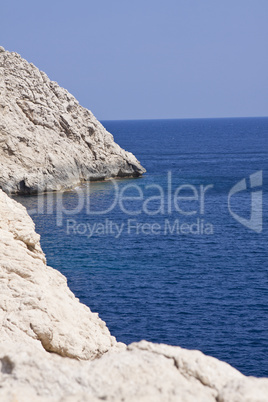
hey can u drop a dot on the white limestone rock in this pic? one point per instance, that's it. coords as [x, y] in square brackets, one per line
[36, 304]
[47, 140]
[144, 372]
[248, 389]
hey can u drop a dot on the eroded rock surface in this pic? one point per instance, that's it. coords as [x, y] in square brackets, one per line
[37, 307]
[52, 347]
[144, 372]
[47, 140]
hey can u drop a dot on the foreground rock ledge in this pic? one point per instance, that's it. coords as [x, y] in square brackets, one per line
[40, 315]
[48, 141]
[37, 307]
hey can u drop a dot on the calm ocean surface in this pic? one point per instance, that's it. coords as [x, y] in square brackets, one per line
[206, 288]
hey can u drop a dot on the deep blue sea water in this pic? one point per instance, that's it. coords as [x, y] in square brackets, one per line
[204, 287]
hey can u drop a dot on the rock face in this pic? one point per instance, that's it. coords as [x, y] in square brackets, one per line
[40, 315]
[52, 347]
[48, 141]
[36, 304]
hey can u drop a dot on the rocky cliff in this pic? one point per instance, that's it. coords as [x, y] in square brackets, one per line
[53, 348]
[48, 141]
[36, 303]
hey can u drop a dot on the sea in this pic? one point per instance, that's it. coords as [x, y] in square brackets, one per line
[178, 256]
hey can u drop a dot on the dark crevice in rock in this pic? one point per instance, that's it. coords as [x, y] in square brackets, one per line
[23, 188]
[7, 365]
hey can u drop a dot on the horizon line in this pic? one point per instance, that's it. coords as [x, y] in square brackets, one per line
[186, 118]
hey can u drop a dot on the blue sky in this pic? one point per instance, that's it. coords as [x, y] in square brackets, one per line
[148, 59]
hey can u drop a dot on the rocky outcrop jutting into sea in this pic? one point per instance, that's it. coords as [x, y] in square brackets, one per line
[40, 315]
[48, 141]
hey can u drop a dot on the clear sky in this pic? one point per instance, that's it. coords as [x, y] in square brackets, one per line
[147, 59]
